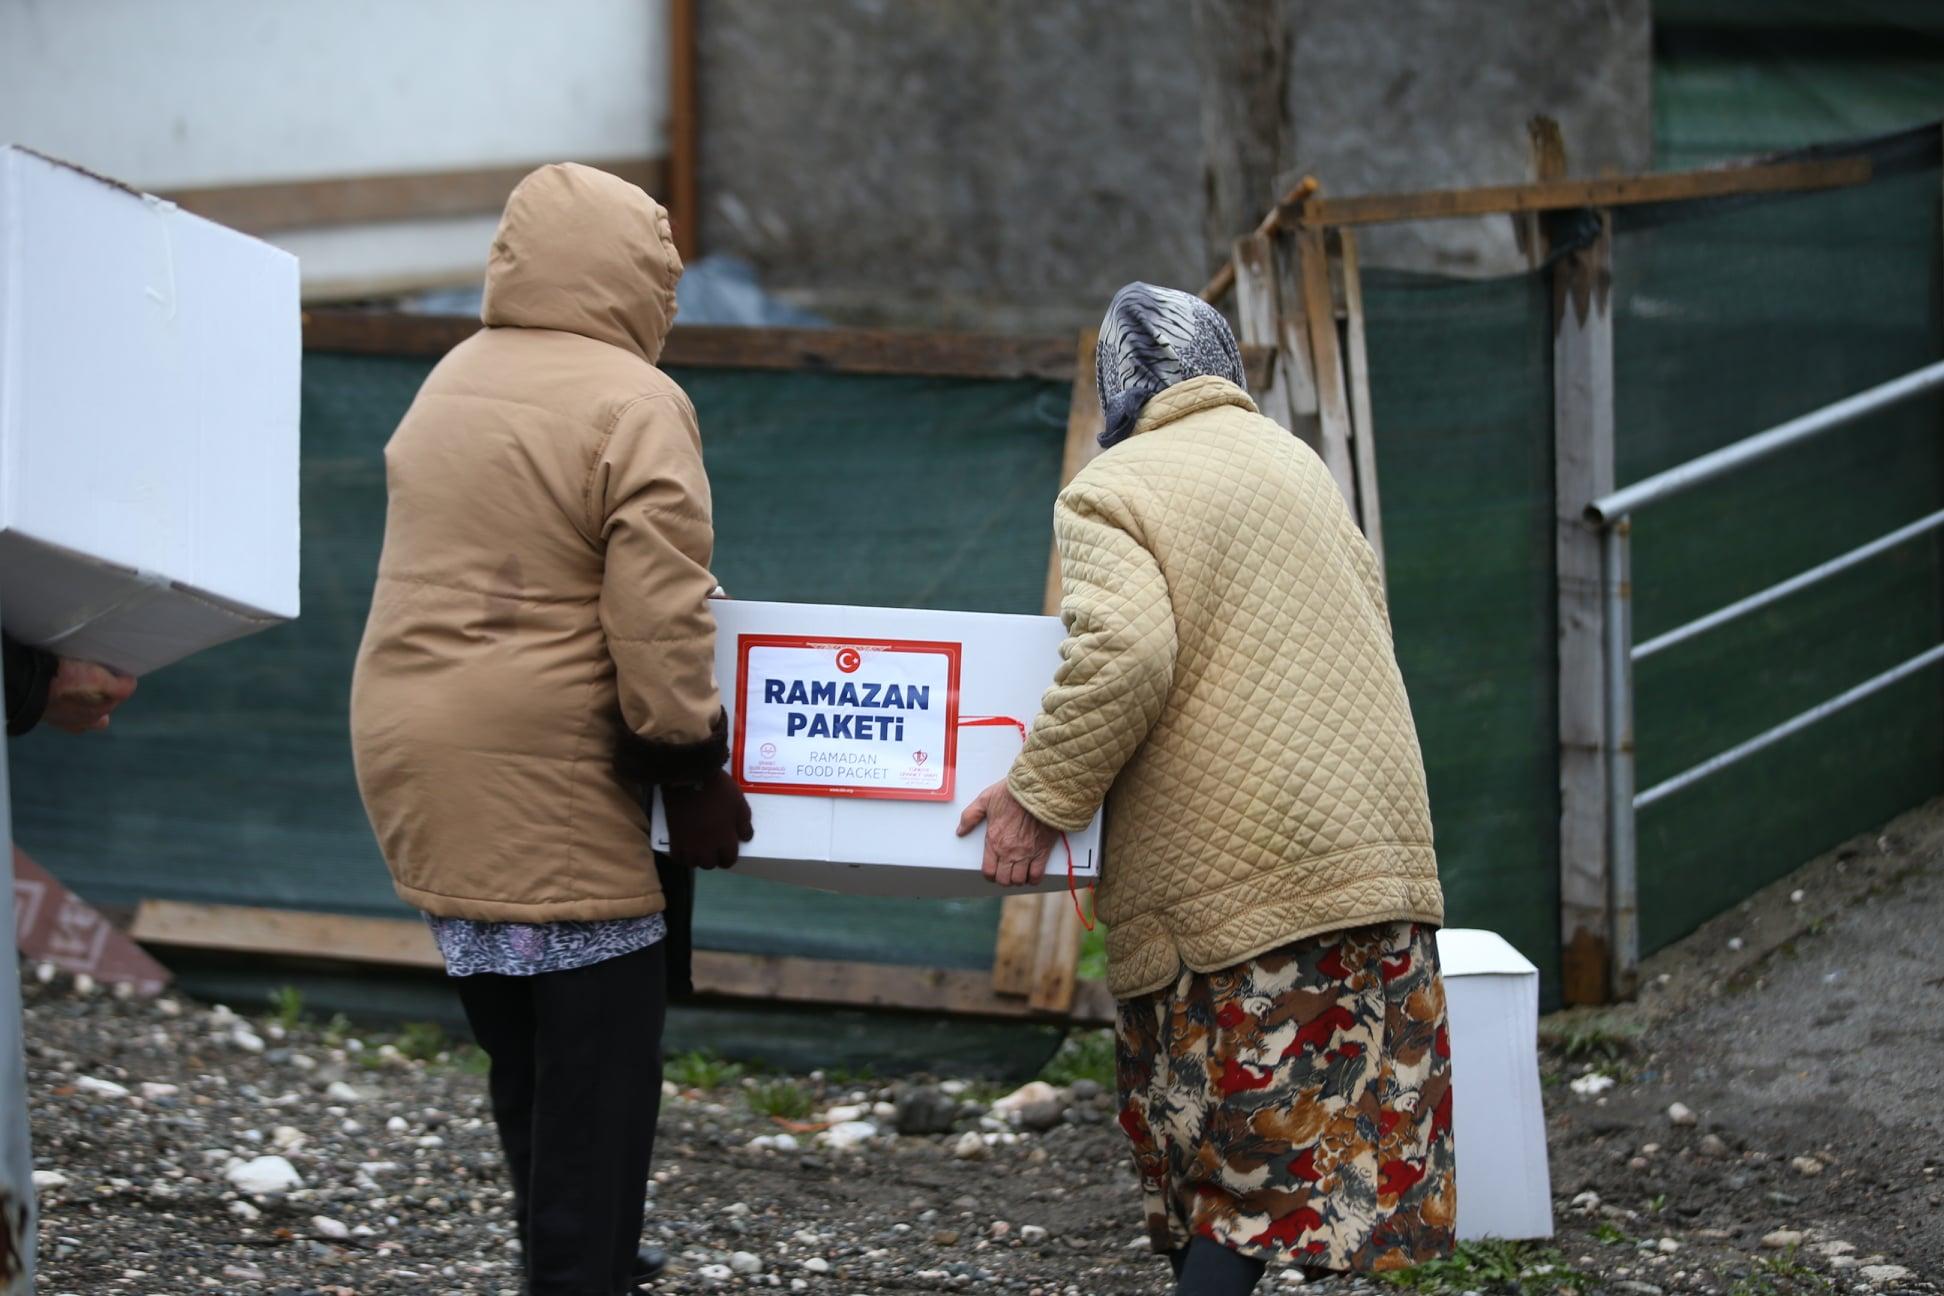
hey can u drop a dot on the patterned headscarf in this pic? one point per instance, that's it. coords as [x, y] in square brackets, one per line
[1152, 339]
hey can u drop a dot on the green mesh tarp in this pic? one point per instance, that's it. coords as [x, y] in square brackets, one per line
[1729, 319]
[230, 779]
[1737, 78]
[1461, 389]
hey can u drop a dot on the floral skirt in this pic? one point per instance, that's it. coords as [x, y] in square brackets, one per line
[1297, 1107]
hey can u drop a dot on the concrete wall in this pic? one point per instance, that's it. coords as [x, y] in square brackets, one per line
[966, 161]
[1010, 163]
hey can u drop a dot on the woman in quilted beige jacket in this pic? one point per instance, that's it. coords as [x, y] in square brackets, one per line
[1229, 690]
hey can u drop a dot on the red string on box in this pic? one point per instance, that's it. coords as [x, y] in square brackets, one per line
[997, 722]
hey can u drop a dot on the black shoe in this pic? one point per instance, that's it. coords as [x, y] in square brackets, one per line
[650, 1262]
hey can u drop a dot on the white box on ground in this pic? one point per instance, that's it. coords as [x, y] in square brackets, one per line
[149, 370]
[861, 734]
[1498, 1122]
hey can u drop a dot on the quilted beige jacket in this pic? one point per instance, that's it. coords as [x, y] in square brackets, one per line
[1229, 675]
[543, 589]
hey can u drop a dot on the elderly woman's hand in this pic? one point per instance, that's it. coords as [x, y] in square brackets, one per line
[1016, 844]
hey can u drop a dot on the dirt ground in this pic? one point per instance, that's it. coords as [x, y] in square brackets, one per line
[1805, 1036]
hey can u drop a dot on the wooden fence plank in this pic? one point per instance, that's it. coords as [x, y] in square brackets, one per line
[1560, 195]
[360, 200]
[406, 943]
[1333, 406]
[1363, 436]
[879, 351]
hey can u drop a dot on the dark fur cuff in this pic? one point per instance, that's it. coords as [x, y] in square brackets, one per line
[655, 764]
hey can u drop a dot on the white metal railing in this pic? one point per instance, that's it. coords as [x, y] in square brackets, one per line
[1612, 516]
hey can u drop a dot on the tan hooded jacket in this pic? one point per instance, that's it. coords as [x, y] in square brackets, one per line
[545, 576]
[1228, 672]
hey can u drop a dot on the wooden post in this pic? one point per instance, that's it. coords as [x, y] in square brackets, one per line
[1363, 439]
[1038, 950]
[1548, 163]
[684, 212]
[1583, 470]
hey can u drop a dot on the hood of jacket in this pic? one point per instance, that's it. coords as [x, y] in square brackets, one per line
[584, 252]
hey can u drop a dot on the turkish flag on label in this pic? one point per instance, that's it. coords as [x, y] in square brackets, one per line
[872, 718]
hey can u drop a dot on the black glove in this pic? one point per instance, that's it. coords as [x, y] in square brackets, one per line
[706, 821]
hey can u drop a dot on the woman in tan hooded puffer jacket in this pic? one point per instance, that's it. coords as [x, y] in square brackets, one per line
[540, 625]
[1269, 882]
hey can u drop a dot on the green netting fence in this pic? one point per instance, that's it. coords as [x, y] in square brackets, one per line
[1730, 318]
[229, 779]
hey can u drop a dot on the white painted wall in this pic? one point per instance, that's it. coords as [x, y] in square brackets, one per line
[169, 94]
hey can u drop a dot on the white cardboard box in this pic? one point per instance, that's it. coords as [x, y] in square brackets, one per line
[149, 369]
[1498, 1122]
[941, 699]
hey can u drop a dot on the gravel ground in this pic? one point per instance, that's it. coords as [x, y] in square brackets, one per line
[151, 1118]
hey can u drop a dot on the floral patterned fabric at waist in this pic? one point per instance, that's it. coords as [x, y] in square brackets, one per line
[473, 948]
[1297, 1107]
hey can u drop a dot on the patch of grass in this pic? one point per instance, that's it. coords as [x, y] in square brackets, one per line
[784, 1099]
[1610, 1234]
[1093, 954]
[471, 1059]
[287, 1006]
[337, 1030]
[1083, 1055]
[422, 1041]
[1783, 1277]
[1597, 1038]
[1522, 1267]
[700, 1069]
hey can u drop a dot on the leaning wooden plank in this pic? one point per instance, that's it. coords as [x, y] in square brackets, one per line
[1558, 195]
[405, 942]
[358, 200]
[1056, 970]
[1333, 406]
[250, 929]
[1363, 440]
[1217, 288]
[1035, 957]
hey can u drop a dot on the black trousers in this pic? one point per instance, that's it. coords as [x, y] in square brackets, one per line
[576, 1088]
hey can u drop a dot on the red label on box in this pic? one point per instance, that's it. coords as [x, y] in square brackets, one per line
[870, 718]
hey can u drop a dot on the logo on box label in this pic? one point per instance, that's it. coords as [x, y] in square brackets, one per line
[847, 718]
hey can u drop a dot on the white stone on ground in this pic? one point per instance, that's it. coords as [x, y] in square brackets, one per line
[106, 1088]
[1886, 1273]
[266, 1174]
[846, 1135]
